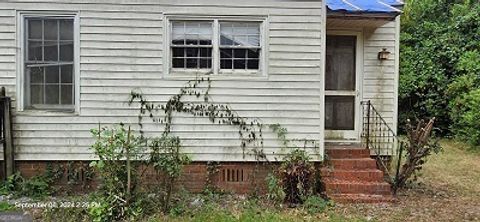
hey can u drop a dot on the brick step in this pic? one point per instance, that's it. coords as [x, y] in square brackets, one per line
[362, 198]
[354, 164]
[346, 153]
[334, 186]
[373, 175]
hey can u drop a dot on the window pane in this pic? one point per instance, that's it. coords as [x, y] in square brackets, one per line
[205, 63]
[52, 74]
[205, 52]
[239, 64]
[240, 33]
[253, 53]
[226, 64]
[192, 52]
[192, 33]
[49, 42]
[241, 40]
[36, 74]
[178, 52]
[178, 40]
[339, 112]
[50, 51]
[66, 29]
[66, 74]
[34, 50]
[226, 53]
[239, 53]
[254, 40]
[192, 63]
[178, 28]
[52, 94]
[242, 58]
[66, 94]
[252, 64]
[36, 94]
[66, 51]
[34, 29]
[226, 40]
[51, 29]
[191, 39]
[178, 63]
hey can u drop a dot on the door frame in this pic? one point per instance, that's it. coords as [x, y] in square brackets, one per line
[350, 135]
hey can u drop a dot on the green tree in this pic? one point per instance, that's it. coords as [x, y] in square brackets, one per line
[440, 61]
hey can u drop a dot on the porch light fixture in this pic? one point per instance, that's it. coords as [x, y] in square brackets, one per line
[383, 55]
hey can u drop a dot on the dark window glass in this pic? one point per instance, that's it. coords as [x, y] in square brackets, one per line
[49, 60]
[192, 45]
[239, 45]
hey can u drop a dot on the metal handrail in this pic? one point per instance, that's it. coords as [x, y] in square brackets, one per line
[378, 135]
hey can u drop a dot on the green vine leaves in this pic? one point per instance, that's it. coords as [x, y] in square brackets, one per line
[194, 99]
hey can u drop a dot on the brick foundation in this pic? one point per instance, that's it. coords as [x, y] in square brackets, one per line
[236, 177]
[351, 175]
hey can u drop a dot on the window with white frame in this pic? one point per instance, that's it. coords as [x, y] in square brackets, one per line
[216, 46]
[49, 62]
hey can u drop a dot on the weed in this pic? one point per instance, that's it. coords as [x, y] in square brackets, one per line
[5, 207]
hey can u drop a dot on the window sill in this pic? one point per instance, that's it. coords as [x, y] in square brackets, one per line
[183, 75]
[44, 112]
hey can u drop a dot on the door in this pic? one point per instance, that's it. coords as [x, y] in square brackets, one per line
[341, 88]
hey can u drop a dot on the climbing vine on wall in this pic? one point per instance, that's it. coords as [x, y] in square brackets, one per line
[194, 98]
[250, 131]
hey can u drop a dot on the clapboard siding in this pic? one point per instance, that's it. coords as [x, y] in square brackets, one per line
[122, 48]
[379, 79]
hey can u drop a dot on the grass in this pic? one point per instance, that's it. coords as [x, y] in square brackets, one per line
[457, 170]
[248, 211]
[6, 207]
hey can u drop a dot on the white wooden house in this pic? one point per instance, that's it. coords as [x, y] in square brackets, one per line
[70, 64]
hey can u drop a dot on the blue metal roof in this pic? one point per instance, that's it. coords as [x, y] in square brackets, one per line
[365, 6]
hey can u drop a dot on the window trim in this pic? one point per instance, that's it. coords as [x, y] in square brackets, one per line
[22, 89]
[215, 71]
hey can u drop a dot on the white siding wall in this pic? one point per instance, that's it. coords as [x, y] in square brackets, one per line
[121, 48]
[381, 77]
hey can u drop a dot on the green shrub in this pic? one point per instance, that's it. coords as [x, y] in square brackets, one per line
[467, 118]
[35, 187]
[274, 188]
[296, 175]
[428, 66]
[118, 151]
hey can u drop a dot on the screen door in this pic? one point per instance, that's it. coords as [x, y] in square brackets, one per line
[341, 87]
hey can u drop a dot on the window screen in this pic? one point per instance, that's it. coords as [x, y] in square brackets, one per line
[49, 60]
[239, 45]
[192, 45]
[340, 63]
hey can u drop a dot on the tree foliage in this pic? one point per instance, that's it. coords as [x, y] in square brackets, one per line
[440, 62]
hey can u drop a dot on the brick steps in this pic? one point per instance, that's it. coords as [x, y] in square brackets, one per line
[354, 164]
[335, 186]
[353, 177]
[345, 152]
